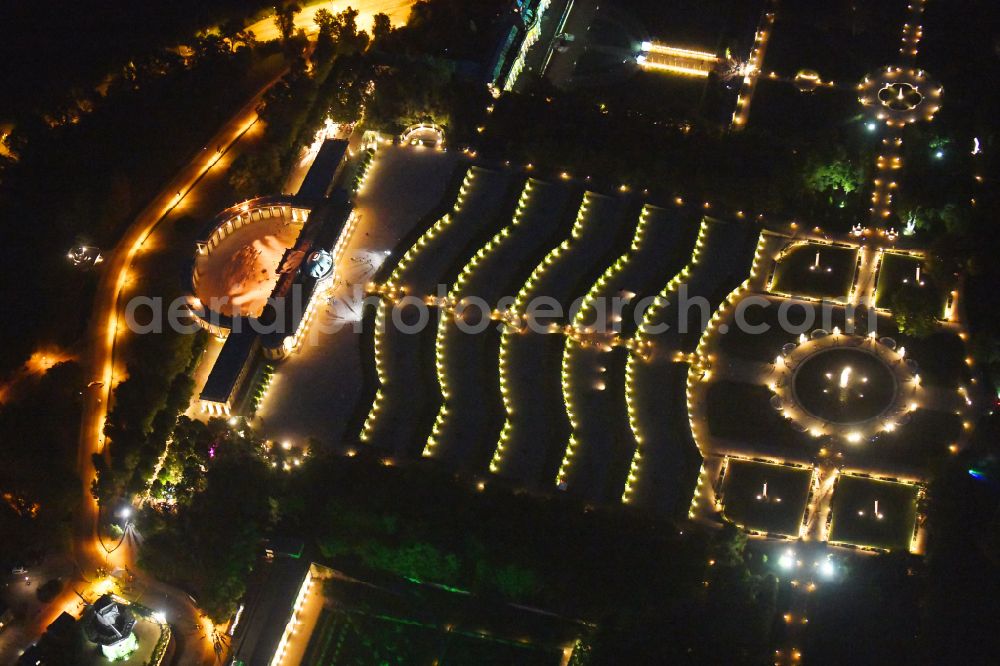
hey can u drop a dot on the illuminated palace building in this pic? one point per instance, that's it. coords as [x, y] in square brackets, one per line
[517, 32]
[262, 270]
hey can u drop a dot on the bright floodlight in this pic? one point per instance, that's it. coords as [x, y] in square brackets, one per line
[126, 512]
[159, 617]
[871, 127]
[787, 560]
[827, 569]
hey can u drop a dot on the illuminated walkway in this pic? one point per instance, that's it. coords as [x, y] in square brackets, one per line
[404, 355]
[531, 442]
[465, 431]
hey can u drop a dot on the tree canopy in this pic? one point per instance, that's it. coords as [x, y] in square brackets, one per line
[914, 312]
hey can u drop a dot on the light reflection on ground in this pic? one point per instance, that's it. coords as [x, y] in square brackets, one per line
[242, 269]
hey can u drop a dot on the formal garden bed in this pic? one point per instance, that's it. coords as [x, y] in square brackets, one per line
[853, 517]
[472, 415]
[816, 271]
[537, 427]
[906, 276]
[765, 497]
[397, 420]
[605, 443]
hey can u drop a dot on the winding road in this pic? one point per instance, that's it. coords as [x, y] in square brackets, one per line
[192, 630]
[104, 332]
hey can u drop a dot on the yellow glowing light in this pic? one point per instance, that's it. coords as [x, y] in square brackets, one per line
[676, 69]
[653, 47]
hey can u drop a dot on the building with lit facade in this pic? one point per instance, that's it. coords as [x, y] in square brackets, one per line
[262, 270]
[109, 624]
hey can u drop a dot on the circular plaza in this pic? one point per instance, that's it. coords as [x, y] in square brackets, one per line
[238, 260]
[849, 386]
[900, 96]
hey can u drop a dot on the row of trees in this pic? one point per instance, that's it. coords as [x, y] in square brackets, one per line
[426, 523]
[614, 137]
[85, 179]
[95, 133]
[296, 106]
[57, 61]
[147, 403]
[223, 490]
[221, 494]
[350, 77]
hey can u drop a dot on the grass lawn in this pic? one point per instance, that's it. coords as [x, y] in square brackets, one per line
[742, 412]
[853, 513]
[841, 42]
[603, 420]
[469, 433]
[797, 273]
[410, 393]
[396, 621]
[899, 271]
[648, 93]
[920, 442]
[780, 511]
[670, 469]
[746, 343]
[940, 355]
[778, 106]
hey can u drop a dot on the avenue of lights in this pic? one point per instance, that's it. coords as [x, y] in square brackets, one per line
[392, 291]
[456, 290]
[520, 304]
[676, 60]
[585, 315]
[642, 347]
[742, 112]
